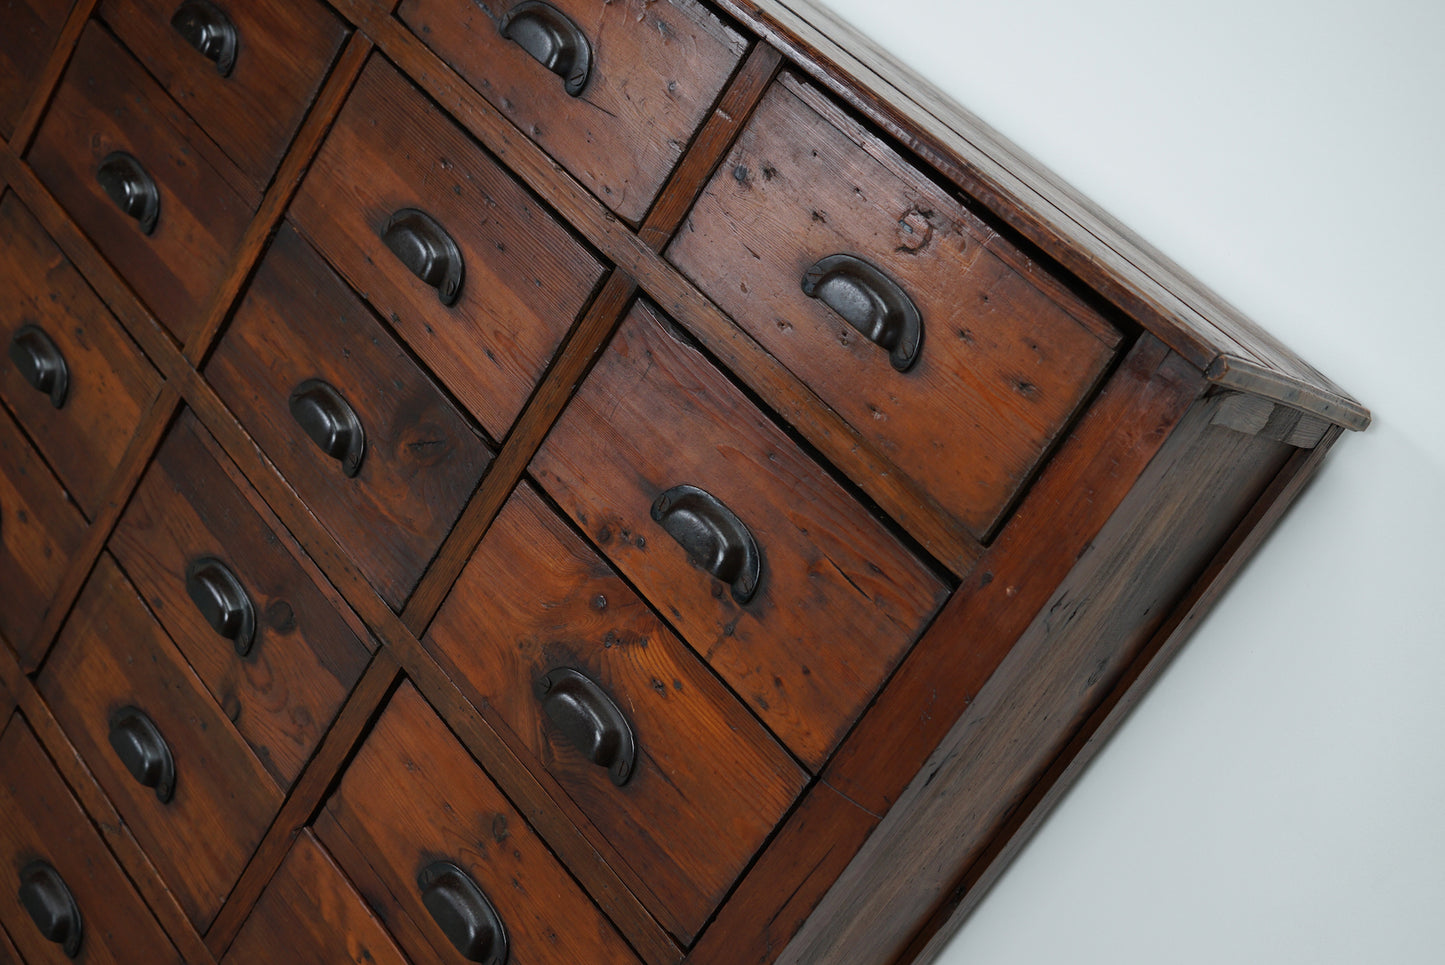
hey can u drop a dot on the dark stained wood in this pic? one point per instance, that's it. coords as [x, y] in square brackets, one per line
[1184, 506]
[284, 50]
[113, 655]
[656, 70]
[710, 783]
[305, 798]
[29, 30]
[106, 103]
[526, 277]
[110, 381]
[298, 321]
[8, 954]
[41, 534]
[956, 904]
[840, 600]
[310, 913]
[43, 821]
[305, 657]
[413, 795]
[1257, 415]
[1007, 354]
[1107, 255]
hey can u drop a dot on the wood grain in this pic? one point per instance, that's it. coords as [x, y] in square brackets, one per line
[840, 600]
[110, 382]
[298, 321]
[657, 69]
[709, 784]
[527, 279]
[29, 30]
[43, 821]
[113, 655]
[285, 48]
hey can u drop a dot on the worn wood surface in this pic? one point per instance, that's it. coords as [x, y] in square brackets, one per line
[110, 381]
[43, 821]
[311, 913]
[304, 659]
[1155, 544]
[298, 321]
[1007, 353]
[8, 954]
[106, 103]
[413, 795]
[709, 784]
[29, 30]
[839, 600]
[656, 70]
[113, 655]
[284, 48]
[526, 277]
[41, 532]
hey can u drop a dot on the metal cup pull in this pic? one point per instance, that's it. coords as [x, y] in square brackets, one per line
[870, 301]
[552, 39]
[427, 251]
[40, 363]
[590, 720]
[206, 27]
[49, 903]
[463, 913]
[144, 752]
[713, 537]
[331, 423]
[222, 601]
[134, 191]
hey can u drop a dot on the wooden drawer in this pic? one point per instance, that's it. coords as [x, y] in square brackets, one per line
[40, 530]
[262, 65]
[838, 599]
[1005, 355]
[108, 108]
[523, 280]
[632, 81]
[43, 823]
[28, 31]
[311, 913]
[72, 376]
[111, 661]
[413, 797]
[400, 477]
[545, 638]
[194, 527]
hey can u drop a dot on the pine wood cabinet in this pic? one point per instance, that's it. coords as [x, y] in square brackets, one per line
[546, 482]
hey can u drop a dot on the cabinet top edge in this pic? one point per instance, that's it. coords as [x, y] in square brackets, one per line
[1217, 338]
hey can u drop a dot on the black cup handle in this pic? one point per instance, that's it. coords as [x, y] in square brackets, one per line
[713, 536]
[40, 363]
[134, 191]
[871, 302]
[427, 251]
[206, 27]
[463, 913]
[48, 901]
[590, 720]
[223, 602]
[138, 743]
[331, 423]
[552, 39]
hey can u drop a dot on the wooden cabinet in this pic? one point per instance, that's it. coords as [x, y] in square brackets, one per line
[543, 482]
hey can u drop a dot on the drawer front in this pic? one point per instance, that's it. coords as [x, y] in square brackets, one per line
[412, 798]
[71, 376]
[807, 635]
[44, 823]
[112, 660]
[28, 31]
[634, 82]
[269, 644]
[108, 108]
[311, 913]
[40, 530]
[419, 460]
[523, 277]
[1005, 355]
[248, 81]
[542, 633]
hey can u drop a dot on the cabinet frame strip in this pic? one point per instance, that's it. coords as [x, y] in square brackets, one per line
[49, 80]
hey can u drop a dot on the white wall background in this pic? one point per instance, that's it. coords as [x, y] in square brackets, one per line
[1279, 797]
